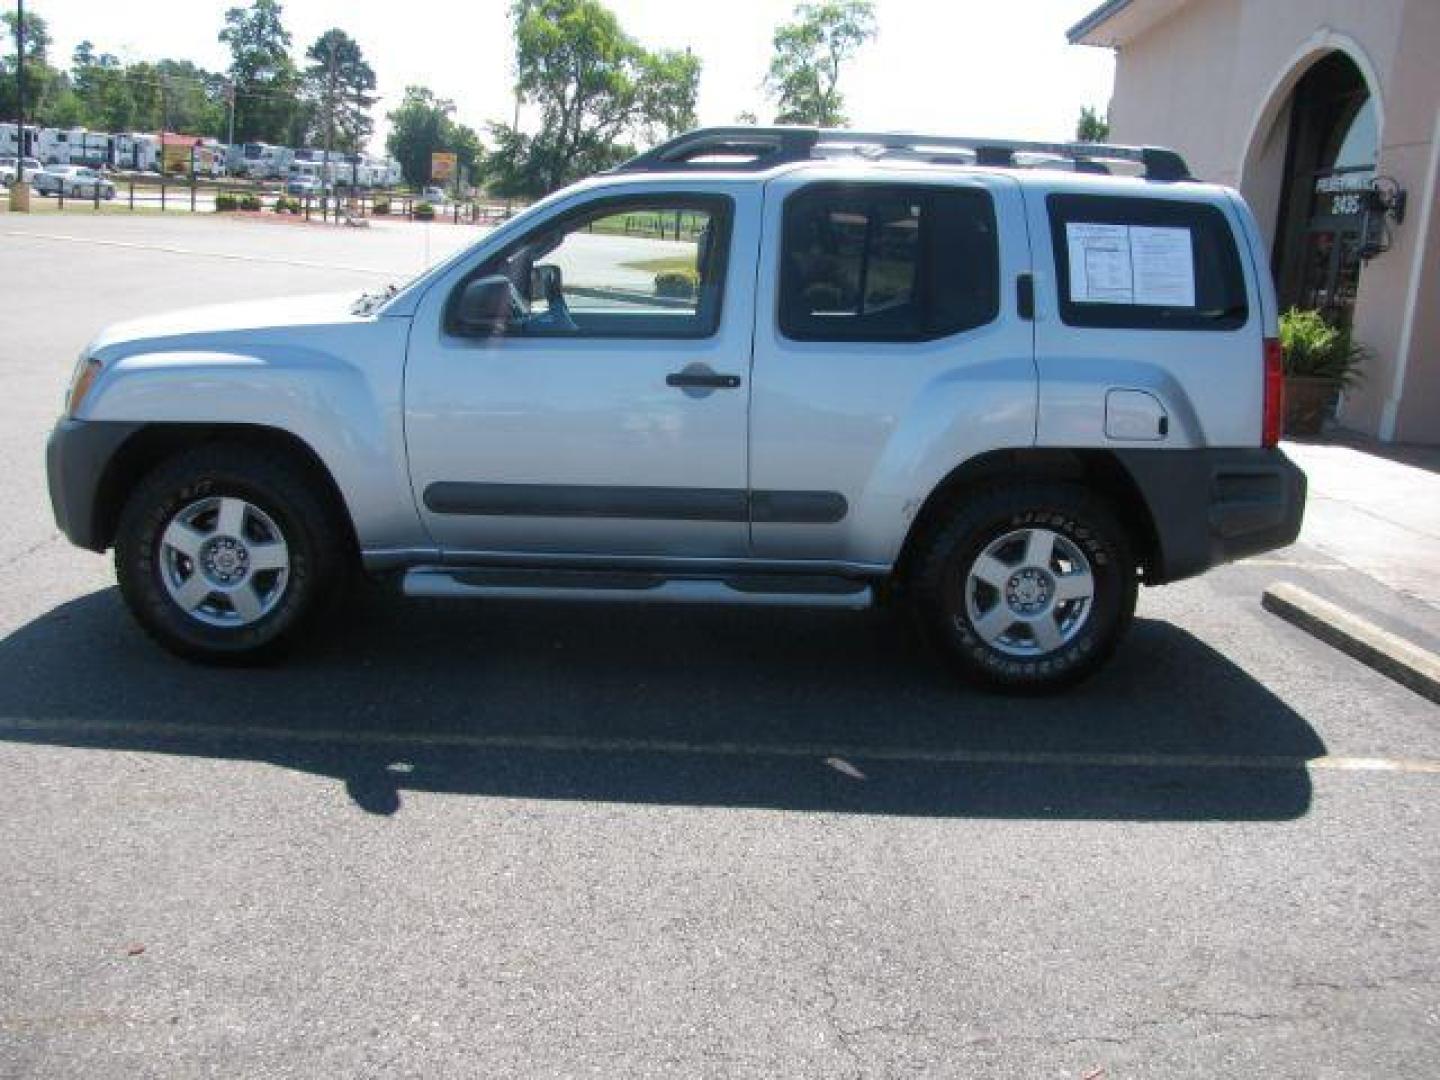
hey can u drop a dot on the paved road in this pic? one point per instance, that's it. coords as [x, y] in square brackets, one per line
[506, 840]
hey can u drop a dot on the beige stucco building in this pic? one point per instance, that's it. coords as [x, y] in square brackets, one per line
[1320, 112]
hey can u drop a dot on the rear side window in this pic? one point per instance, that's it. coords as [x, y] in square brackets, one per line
[877, 262]
[1146, 264]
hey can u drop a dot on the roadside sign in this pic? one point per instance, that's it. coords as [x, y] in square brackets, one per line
[177, 157]
[442, 166]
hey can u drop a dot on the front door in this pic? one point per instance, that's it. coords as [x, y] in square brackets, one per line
[606, 412]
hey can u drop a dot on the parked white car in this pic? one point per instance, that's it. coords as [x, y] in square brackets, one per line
[9, 167]
[73, 180]
[304, 187]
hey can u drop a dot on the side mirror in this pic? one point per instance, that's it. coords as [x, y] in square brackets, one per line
[486, 306]
[546, 282]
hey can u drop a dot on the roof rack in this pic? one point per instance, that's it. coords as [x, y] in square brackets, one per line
[756, 148]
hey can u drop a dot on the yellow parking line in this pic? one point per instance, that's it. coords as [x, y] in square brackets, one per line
[818, 751]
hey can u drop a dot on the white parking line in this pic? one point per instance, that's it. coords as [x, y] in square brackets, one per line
[818, 751]
[172, 250]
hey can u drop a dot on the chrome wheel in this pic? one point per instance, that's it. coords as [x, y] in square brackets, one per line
[1030, 592]
[224, 562]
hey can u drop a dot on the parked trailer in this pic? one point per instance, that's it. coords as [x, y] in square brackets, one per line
[260, 161]
[80, 146]
[138, 151]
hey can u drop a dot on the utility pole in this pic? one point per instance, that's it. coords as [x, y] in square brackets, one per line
[20, 190]
[231, 95]
[331, 61]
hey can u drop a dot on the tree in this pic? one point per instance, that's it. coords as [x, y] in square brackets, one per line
[340, 90]
[804, 71]
[266, 82]
[1091, 127]
[598, 91]
[424, 125]
[43, 83]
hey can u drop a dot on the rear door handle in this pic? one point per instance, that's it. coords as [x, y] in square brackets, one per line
[702, 378]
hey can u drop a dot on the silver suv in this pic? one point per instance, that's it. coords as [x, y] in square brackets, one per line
[1003, 384]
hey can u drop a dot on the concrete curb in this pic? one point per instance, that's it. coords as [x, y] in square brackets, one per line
[1387, 653]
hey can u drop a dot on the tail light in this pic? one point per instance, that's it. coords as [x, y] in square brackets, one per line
[1274, 393]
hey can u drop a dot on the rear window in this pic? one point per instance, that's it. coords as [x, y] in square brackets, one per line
[1146, 264]
[887, 262]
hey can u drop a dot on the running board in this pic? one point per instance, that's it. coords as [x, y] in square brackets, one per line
[762, 590]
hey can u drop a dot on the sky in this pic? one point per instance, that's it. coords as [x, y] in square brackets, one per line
[960, 67]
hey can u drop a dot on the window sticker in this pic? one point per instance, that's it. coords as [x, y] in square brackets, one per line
[1130, 264]
[1100, 268]
[1164, 266]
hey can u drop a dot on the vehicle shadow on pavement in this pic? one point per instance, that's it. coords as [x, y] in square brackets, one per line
[708, 707]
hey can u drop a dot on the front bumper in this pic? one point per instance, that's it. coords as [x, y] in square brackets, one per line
[1213, 506]
[76, 459]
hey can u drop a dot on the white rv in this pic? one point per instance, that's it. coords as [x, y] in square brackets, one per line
[80, 146]
[137, 151]
[260, 161]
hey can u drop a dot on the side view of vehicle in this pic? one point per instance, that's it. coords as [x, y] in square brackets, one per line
[1004, 384]
[73, 180]
[10, 169]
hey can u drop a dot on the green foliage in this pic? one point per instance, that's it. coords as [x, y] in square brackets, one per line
[284, 205]
[339, 91]
[251, 203]
[598, 90]
[267, 102]
[380, 207]
[1092, 127]
[678, 284]
[1315, 349]
[808, 53]
[44, 84]
[226, 202]
[424, 212]
[424, 125]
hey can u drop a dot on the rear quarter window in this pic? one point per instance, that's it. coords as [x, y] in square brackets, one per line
[1146, 264]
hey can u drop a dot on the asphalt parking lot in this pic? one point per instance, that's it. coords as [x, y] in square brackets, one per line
[571, 841]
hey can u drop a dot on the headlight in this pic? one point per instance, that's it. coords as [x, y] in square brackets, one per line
[80, 382]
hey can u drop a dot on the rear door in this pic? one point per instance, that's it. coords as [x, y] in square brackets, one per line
[888, 350]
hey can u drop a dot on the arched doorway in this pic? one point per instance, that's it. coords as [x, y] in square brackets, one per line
[1330, 158]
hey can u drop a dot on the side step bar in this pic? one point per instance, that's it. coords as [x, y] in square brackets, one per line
[763, 590]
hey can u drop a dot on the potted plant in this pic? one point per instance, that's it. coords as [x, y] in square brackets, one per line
[1320, 361]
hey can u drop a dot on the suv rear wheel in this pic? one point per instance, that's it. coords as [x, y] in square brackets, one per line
[224, 553]
[1027, 587]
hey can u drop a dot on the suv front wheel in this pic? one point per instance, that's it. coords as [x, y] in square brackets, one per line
[1027, 587]
[224, 553]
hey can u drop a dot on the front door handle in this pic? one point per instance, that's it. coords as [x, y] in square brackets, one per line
[707, 379]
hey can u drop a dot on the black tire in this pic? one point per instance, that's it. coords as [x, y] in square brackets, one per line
[320, 555]
[944, 562]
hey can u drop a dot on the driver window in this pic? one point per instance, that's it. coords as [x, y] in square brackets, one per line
[649, 268]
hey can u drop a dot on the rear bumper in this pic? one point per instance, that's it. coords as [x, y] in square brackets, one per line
[1213, 506]
[76, 457]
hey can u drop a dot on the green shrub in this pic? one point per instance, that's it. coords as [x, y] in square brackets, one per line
[1313, 348]
[677, 284]
[225, 202]
[284, 205]
[380, 206]
[424, 212]
[250, 202]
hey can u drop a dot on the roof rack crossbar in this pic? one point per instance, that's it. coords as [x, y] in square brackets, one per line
[753, 148]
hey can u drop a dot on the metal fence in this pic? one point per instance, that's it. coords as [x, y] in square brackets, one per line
[202, 196]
